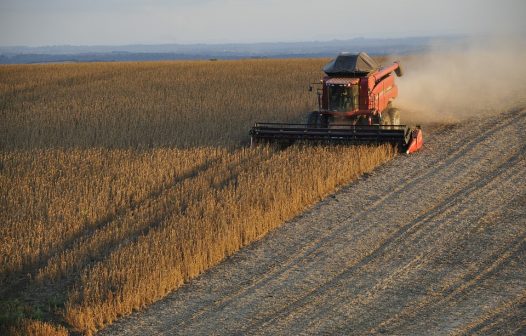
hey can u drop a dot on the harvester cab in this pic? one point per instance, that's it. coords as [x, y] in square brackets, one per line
[343, 97]
[354, 107]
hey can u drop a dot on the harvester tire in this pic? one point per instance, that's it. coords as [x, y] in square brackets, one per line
[324, 121]
[313, 119]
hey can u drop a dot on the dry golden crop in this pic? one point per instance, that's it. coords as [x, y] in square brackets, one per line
[119, 182]
[28, 327]
[149, 105]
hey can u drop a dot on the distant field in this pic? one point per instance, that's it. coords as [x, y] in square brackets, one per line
[123, 105]
[121, 181]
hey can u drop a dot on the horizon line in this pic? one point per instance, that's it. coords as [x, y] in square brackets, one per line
[246, 43]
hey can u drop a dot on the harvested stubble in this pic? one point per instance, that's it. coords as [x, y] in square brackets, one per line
[104, 196]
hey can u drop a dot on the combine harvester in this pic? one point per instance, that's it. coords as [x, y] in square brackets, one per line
[354, 107]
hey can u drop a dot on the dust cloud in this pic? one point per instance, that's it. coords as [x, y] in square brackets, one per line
[448, 86]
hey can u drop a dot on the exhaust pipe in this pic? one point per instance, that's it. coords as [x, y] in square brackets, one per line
[398, 71]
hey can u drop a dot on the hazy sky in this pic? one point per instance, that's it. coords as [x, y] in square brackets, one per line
[103, 22]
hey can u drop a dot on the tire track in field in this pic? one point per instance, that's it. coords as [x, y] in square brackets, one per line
[489, 324]
[411, 228]
[488, 268]
[374, 292]
[425, 306]
[459, 149]
[192, 310]
[503, 273]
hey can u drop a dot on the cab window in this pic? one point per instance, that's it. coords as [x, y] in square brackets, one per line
[343, 98]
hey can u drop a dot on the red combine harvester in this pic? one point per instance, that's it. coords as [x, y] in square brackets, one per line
[354, 107]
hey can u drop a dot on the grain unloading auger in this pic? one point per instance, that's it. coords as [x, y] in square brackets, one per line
[354, 107]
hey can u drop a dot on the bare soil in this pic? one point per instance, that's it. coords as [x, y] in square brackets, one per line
[430, 243]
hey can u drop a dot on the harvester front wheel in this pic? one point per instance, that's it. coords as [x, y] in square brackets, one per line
[317, 120]
[324, 121]
[313, 119]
